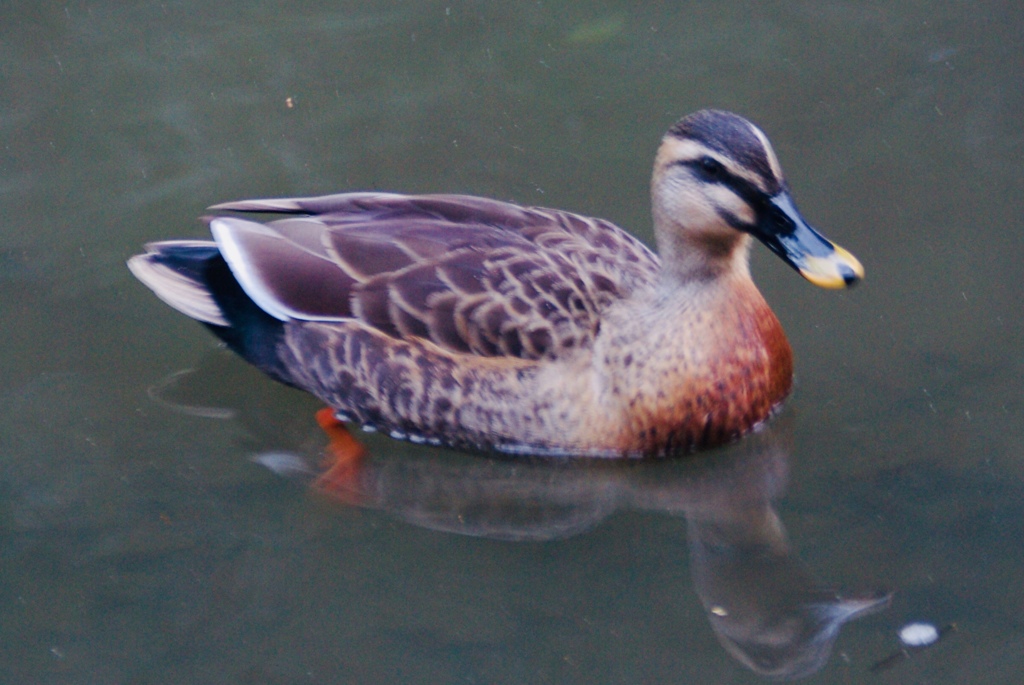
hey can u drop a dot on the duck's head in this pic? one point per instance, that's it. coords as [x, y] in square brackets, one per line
[717, 181]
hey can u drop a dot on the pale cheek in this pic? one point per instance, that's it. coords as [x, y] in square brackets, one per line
[692, 206]
[723, 198]
[698, 205]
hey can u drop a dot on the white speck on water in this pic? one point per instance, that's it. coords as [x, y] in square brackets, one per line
[367, 428]
[282, 463]
[919, 634]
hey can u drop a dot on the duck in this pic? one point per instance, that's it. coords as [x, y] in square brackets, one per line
[479, 324]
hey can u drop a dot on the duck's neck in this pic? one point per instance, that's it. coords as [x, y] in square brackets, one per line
[689, 256]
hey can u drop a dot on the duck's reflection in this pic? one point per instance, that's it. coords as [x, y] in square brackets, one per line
[765, 607]
[763, 604]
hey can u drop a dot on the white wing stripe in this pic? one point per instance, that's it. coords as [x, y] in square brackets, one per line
[230, 235]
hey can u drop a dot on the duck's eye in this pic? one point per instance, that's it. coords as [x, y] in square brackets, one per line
[711, 168]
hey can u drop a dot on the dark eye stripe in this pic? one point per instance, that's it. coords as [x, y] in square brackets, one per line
[757, 199]
[722, 176]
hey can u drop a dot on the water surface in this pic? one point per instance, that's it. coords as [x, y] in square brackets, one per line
[139, 543]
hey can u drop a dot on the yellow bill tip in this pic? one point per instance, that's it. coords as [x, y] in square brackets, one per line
[837, 270]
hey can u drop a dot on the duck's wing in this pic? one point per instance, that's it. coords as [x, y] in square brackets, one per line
[469, 274]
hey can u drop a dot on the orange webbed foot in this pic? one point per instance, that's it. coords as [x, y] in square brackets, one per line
[343, 459]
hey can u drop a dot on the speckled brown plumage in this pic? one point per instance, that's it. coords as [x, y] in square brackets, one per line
[476, 323]
[653, 401]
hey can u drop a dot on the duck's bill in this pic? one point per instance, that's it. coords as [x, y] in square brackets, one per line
[820, 261]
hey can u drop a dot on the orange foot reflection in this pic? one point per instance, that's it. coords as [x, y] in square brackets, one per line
[343, 460]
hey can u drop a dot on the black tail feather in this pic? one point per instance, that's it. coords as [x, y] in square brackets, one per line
[251, 333]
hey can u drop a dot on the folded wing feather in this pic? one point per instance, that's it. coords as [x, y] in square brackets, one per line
[469, 274]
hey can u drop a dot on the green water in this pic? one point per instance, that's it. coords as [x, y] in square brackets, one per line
[139, 543]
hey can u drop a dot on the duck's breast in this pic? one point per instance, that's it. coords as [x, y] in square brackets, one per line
[696, 375]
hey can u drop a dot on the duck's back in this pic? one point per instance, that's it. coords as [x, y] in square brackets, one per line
[471, 275]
